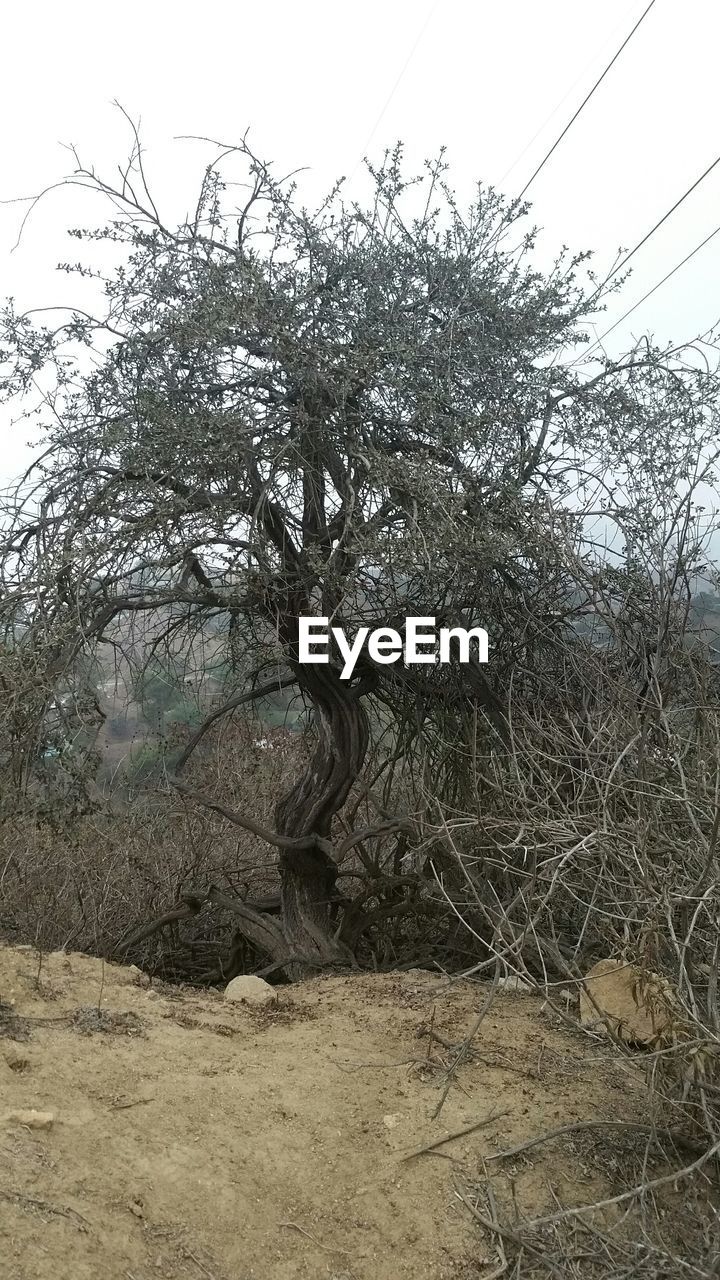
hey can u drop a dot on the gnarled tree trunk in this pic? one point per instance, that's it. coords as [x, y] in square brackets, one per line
[308, 875]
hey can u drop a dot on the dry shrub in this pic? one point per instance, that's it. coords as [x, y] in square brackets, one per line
[88, 882]
[596, 836]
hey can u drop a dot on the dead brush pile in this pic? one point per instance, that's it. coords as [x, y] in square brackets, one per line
[592, 845]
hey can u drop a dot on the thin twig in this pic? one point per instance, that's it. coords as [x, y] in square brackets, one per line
[457, 1133]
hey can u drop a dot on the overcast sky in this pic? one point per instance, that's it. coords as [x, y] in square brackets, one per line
[321, 82]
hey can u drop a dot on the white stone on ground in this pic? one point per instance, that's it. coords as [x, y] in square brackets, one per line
[247, 989]
[31, 1119]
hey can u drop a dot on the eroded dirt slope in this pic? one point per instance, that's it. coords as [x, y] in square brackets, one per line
[196, 1138]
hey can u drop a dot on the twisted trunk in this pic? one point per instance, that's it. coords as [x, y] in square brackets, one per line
[308, 875]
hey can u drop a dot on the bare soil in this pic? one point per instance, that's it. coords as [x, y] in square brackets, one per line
[197, 1138]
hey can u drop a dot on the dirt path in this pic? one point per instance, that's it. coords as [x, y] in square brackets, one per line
[196, 1138]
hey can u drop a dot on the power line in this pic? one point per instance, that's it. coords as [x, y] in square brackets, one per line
[640, 244]
[650, 292]
[585, 101]
[579, 79]
[651, 233]
[664, 218]
[398, 82]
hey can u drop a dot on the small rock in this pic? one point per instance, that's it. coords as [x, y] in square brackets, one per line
[392, 1121]
[32, 1119]
[422, 981]
[635, 1005]
[247, 989]
[514, 983]
[16, 1060]
[426, 975]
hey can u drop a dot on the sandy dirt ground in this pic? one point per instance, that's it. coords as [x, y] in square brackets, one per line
[196, 1138]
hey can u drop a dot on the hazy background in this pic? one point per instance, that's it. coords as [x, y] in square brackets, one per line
[320, 83]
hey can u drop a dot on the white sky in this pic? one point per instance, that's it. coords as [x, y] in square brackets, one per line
[311, 79]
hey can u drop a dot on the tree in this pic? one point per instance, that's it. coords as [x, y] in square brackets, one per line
[357, 412]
